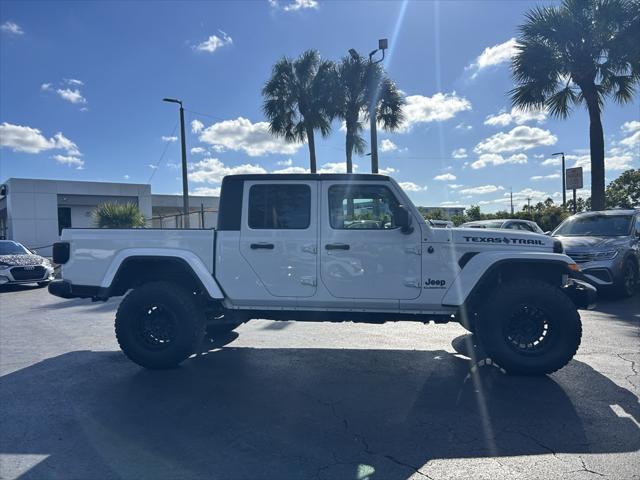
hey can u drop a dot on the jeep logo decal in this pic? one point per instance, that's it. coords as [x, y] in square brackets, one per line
[504, 240]
[430, 283]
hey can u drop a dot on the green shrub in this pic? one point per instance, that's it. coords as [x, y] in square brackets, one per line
[118, 215]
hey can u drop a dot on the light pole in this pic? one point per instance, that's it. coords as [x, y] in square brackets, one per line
[564, 190]
[185, 183]
[382, 45]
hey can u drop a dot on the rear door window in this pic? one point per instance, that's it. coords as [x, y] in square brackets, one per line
[279, 207]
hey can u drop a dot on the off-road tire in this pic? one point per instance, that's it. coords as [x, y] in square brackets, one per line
[509, 312]
[181, 325]
[624, 288]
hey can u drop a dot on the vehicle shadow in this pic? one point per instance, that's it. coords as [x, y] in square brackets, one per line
[627, 309]
[297, 413]
[20, 287]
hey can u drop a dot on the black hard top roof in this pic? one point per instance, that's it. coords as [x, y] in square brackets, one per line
[309, 176]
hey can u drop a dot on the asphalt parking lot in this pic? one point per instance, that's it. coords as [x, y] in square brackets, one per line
[286, 400]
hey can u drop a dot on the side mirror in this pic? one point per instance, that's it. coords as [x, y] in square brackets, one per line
[402, 218]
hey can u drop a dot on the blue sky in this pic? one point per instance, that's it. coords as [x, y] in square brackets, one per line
[81, 85]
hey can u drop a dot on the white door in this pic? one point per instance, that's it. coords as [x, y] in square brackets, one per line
[279, 235]
[363, 254]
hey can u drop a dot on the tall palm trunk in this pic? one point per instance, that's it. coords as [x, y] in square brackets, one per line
[596, 146]
[349, 147]
[312, 150]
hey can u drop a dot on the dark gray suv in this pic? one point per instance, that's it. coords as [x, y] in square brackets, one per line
[606, 246]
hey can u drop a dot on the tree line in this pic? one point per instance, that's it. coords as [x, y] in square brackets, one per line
[623, 192]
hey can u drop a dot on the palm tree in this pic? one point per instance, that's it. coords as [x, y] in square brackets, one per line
[297, 99]
[365, 90]
[579, 53]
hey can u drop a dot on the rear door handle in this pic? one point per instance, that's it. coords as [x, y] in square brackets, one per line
[263, 246]
[337, 246]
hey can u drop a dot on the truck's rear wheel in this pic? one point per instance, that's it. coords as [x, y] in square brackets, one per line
[529, 327]
[159, 324]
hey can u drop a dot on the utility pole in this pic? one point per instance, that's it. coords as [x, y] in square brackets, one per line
[529, 205]
[373, 126]
[185, 183]
[511, 196]
[564, 175]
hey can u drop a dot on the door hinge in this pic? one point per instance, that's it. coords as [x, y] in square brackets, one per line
[415, 249]
[311, 281]
[412, 282]
[310, 249]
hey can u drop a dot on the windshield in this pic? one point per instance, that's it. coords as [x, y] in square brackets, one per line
[596, 226]
[12, 248]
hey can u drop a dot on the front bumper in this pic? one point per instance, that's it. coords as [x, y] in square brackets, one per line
[64, 289]
[17, 274]
[581, 292]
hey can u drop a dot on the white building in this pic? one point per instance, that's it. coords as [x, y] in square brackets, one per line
[34, 212]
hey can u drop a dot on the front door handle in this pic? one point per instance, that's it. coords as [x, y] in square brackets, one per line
[337, 246]
[263, 246]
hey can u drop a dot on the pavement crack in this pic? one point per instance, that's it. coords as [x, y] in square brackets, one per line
[633, 368]
[587, 470]
[408, 465]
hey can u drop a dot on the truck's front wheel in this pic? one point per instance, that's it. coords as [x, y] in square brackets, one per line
[159, 324]
[529, 327]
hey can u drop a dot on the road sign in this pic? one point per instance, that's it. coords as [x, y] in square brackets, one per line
[574, 178]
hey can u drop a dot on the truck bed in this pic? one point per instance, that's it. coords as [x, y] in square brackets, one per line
[96, 251]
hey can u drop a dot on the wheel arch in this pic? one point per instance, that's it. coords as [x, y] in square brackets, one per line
[184, 268]
[482, 273]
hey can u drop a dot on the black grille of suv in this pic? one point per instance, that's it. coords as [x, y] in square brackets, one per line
[28, 273]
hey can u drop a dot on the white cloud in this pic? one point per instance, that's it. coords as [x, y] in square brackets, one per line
[613, 161]
[437, 108]
[73, 96]
[196, 126]
[198, 151]
[387, 146]
[633, 129]
[152, 166]
[69, 160]
[455, 186]
[170, 139]
[495, 159]
[521, 137]
[252, 138]
[285, 163]
[30, 140]
[459, 153]
[206, 191]
[335, 167]
[546, 177]
[214, 42]
[494, 55]
[292, 170]
[45, 87]
[551, 162]
[126, 177]
[516, 116]
[73, 81]
[11, 28]
[212, 170]
[481, 190]
[519, 198]
[412, 187]
[445, 177]
[387, 171]
[295, 5]
[464, 126]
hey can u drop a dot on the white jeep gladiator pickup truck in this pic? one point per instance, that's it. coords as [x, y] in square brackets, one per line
[327, 247]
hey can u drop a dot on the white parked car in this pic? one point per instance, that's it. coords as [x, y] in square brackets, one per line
[285, 249]
[18, 265]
